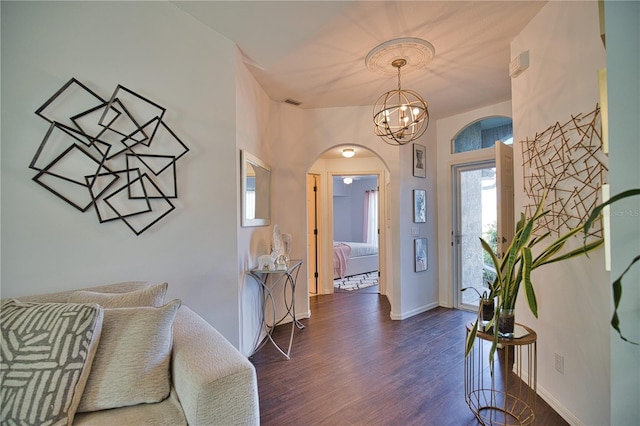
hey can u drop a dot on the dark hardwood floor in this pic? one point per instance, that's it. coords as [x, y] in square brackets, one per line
[353, 365]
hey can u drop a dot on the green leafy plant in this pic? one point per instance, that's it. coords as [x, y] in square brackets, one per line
[617, 284]
[517, 263]
[490, 236]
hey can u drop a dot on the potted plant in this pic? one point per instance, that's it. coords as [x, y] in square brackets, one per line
[515, 267]
[486, 304]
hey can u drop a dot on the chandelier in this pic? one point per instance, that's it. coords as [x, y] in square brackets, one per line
[400, 116]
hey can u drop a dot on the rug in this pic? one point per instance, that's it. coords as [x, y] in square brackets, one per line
[356, 282]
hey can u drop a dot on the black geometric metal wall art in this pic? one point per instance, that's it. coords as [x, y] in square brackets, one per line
[567, 161]
[116, 155]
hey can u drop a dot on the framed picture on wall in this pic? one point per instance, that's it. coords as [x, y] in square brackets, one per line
[419, 152]
[419, 205]
[420, 251]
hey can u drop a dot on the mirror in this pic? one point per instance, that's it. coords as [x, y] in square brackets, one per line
[256, 191]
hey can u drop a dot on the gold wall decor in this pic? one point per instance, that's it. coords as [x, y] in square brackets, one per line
[568, 162]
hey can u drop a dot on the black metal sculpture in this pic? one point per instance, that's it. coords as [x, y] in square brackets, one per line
[116, 155]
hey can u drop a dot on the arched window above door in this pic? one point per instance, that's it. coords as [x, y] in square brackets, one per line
[483, 134]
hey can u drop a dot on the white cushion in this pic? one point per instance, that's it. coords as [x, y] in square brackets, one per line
[148, 296]
[165, 413]
[45, 359]
[131, 365]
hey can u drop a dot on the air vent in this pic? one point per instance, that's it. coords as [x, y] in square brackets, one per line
[292, 102]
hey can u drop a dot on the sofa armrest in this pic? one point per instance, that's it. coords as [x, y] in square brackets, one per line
[215, 383]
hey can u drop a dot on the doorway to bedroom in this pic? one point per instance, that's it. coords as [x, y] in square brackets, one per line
[355, 233]
[347, 205]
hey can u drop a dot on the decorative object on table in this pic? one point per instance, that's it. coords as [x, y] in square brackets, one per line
[419, 168]
[516, 265]
[277, 244]
[419, 205]
[266, 262]
[400, 116]
[281, 248]
[420, 252]
[487, 309]
[286, 245]
[117, 155]
[486, 305]
[281, 263]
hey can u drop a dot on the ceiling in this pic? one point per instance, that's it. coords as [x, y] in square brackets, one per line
[314, 51]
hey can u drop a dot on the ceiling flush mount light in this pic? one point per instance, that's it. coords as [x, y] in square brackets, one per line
[348, 152]
[400, 116]
[348, 180]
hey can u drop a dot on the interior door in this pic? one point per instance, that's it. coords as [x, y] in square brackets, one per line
[313, 235]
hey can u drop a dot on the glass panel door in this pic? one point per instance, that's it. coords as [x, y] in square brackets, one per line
[475, 216]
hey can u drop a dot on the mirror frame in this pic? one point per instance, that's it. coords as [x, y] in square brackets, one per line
[248, 160]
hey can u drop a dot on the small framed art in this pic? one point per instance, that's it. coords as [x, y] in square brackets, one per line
[419, 152]
[419, 205]
[420, 250]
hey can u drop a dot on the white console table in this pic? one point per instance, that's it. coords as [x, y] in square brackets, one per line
[286, 278]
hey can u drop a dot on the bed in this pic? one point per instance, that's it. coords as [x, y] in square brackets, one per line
[353, 258]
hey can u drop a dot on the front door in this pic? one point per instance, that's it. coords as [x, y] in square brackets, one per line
[483, 208]
[475, 217]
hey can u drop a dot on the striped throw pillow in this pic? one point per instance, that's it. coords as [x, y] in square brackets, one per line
[46, 354]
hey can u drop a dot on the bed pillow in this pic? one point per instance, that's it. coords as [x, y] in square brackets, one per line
[131, 365]
[148, 296]
[46, 356]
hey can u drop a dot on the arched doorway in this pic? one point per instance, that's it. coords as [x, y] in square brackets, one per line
[321, 193]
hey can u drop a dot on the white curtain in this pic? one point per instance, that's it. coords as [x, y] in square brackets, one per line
[370, 220]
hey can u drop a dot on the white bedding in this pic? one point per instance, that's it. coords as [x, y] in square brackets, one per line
[360, 249]
[355, 259]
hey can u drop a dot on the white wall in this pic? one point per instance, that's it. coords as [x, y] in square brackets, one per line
[254, 136]
[623, 69]
[158, 51]
[573, 297]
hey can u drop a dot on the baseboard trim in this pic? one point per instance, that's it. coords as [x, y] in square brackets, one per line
[414, 312]
[559, 408]
[566, 414]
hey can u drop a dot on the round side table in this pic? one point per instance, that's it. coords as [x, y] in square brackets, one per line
[504, 394]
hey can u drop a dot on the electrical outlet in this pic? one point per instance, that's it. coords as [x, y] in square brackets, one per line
[560, 363]
[415, 232]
